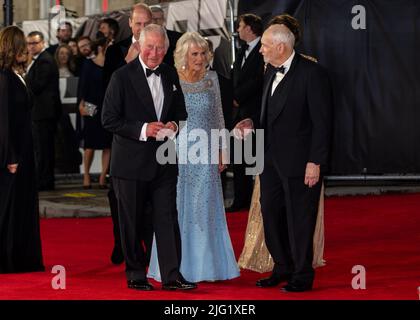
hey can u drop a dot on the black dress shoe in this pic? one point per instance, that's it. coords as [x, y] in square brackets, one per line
[180, 284]
[272, 281]
[139, 285]
[297, 287]
[117, 256]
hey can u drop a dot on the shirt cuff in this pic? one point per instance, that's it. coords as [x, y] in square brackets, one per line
[173, 135]
[143, 136]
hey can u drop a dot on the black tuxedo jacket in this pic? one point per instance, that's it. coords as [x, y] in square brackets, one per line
[248, 82]
[43, 81]
[173, 37]
[297, 118]
[127, 106]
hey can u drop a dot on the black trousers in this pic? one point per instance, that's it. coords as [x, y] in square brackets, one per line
[132, 196]
[145, 224]
[43, 135]
[289, 209]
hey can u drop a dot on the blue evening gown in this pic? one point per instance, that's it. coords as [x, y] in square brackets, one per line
[207, 253]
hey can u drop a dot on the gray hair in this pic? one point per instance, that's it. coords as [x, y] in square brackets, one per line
[281, 34]
[183, 45]
[154, 28]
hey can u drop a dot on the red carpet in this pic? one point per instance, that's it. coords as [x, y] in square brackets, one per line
[379, 232]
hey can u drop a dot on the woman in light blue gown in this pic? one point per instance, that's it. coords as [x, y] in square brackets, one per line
[207, 253]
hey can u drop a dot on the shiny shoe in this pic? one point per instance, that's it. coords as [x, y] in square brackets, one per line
[180, 284]
[117, 256]
[296, 287]
[272, 281]
[139, 285]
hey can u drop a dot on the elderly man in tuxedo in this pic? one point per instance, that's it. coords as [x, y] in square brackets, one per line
[143, 98]
[296, 118]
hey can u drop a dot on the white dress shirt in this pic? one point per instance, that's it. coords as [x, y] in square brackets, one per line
[155, 85]
[279, 75]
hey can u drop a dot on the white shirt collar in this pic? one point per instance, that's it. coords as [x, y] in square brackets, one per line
[133, 39]
[252, 44]
[288, 62]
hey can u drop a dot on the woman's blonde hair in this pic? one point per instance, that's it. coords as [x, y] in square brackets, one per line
[12, 43]
[183, 45]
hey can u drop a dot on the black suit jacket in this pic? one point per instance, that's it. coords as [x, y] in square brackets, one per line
[127, 106]
[248, 83]
[115, 58]
[298, 122]
[43, 81]
[173, 37]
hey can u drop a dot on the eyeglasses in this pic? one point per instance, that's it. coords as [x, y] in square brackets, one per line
[34, 43]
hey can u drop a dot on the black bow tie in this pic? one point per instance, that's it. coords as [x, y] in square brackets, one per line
[149, 72]
[281, 69]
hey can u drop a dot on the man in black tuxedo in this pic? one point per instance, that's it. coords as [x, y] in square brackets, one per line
[116, 56]
[143, 99]
[43, 81]
[248, 71]
[296, 118]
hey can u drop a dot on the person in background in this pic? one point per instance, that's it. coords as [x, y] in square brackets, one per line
[64, 34]
[127, 50]
[109, 29]
[84, 45]
[207, 252]
[91, 95]
[20, 240]
[248, 71]
[73, 45]
[42, 79]
[158, 17]
[65, 63]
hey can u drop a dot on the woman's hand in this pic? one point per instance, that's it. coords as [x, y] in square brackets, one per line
[12, 168]
[222, 162]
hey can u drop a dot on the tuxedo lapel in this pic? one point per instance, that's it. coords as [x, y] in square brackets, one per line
[249, 61]
[167, 93]
[283, 89]
[141, 88]
[268, 79]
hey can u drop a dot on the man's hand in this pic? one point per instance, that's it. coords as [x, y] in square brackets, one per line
[168, 131]
[222, 160]
[235, 104]
[12, 167]
[312, 174]
[153, 129]
[133, 52]
[243, 129]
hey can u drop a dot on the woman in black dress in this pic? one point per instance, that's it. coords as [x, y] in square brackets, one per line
[92, 91]
[20, 241]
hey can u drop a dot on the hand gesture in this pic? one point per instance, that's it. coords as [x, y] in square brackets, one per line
[133, 52]
[312, 174]
[12, 167]
[243, 129]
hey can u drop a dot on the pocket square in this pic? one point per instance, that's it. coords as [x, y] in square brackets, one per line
[174, 88]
